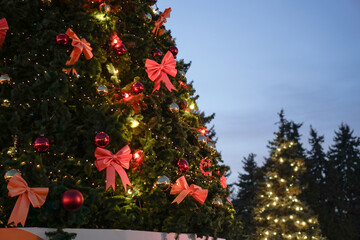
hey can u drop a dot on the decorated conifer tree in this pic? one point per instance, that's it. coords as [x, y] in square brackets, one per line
[279, 213]
[99, 126]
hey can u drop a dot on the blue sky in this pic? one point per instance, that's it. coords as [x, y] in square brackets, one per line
[250, 59]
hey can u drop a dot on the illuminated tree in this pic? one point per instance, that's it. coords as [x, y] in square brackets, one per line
[279, 213]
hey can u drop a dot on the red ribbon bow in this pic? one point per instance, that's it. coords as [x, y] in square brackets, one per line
[3, 28]
[158, 72]
[80, 46]
[182, 187]
[17, 186]
[161, 20]
[112, 162]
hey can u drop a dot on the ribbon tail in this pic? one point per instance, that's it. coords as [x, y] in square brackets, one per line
[20, 211]
[167, 82]
[156, 84]
[228, 200]
[110, 177]
[181, 196]
[74, 56]
[124, 178]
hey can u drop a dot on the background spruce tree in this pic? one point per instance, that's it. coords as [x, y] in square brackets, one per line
[279, 212]
[342, 186]
[313, 178]
[40, 98]
[244, 201]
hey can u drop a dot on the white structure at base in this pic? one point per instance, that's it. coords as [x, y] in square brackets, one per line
[111, 234]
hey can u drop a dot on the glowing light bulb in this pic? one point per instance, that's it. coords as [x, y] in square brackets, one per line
[291, 216]
[281, 160]
[267, 233]
[268, 185]
[310, 220]
[192, 106]
[282, 180]
[134, 124]
[276, 220]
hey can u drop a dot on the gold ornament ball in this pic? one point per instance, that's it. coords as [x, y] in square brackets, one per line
[5, 79]
[105, 7]
[6, 103]
[102, 90]
[217, 201]
[163, 183]
[147, 18]
[9, 174]
[174, 107]
[201, 139]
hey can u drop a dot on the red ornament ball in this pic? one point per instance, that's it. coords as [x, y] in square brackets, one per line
[173, 50]
[137, 88]
[119, 49]
[72, 200]
[42, 144]
[182, 165]
[156, 52]
[62, 39]
[102, 139]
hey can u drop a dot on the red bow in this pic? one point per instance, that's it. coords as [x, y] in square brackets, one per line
[3, 28]
[158, 72]
[112, 162]
[182, 187]
[80, 46]
[17, 186]
[161, 20]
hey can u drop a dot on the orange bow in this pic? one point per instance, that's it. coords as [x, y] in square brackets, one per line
[161, 20]
[80, 46]
[158, 72]
[182, 187]
[112, 162]
[3, 28]
[17, 186]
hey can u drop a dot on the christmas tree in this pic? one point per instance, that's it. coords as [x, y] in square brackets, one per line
[99, 125]
[279, 213]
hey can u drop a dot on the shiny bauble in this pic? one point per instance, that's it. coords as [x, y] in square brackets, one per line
[72, 200]
[173, 50]
[202, 140]
[9, 174]
[137, 88]
[211, 145]
[62, 39]
[174, 107]
[105, 7]
[181, 74]
[5, 78]
[217, 202]
[102, 90]
[148, 18]
[156, 52]
[42, 144]
[182, 104]
[182, 165]
[119, 49]
[163, 183]
[6, 103]
[101, 139]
